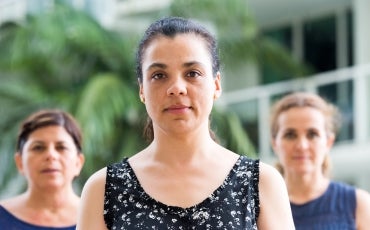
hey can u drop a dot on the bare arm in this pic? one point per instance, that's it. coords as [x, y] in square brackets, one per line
[275, 212]
[92, 203]
[363, 209]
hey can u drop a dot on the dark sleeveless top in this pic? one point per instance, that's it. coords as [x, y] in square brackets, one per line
[9, 222]
[233, 205]
[334, 210]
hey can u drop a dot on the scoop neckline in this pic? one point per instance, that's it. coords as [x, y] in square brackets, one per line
[204, 202]
[23, 222]
[315, 199]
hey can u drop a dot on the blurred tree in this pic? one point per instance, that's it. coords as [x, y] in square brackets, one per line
[62, 58]
[239, 39]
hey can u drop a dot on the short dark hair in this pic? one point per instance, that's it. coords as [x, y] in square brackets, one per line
[49, 117]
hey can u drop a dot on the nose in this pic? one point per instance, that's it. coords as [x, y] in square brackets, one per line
[51, 153]
[177, 87]
[302, 143]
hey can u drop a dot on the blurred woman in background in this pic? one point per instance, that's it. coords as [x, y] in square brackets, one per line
[49, 156]
[303, 129]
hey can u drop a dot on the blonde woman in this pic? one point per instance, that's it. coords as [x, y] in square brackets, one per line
[303, 128]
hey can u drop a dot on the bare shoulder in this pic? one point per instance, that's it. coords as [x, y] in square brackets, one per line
[270, 177]
[362, 195]
[363, 200]
[94, 187]
[96, 179]
[273, 196]
[92, 202]
[363, 209]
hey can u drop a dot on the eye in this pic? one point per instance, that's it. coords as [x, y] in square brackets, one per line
[158, 76]
[193, 74]
[61, 147]
[38, 148]
[312, 134]
[290, 135]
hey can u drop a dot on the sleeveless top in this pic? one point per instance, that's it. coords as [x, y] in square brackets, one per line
[333, 210]
[9, 222]
[233, 205]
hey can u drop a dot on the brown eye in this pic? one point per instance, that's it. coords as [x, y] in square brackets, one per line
[289, 135]
[158, 76]
[312, 134]
[38, 148]
[61, 147]
[193, 74]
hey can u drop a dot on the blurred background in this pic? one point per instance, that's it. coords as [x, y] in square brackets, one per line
[78, 55]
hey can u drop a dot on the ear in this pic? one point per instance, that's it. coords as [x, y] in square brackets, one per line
[141, 93]
[18, 162]
[218, 88]
[273, 146]
[79, 163]
[331, 140]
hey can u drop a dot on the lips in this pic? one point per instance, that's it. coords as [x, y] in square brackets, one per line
[177, 108]
[301, 158]
[49, 170]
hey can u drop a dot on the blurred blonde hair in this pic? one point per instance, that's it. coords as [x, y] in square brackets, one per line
[306, 99]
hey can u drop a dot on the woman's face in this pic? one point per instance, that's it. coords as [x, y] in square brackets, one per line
[49, 159]
[302, 141]
[178, 87]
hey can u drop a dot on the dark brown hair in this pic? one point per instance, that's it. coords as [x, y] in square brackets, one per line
[49, 117]
[169, 27]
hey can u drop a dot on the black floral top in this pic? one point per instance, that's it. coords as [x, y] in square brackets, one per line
[233, 205]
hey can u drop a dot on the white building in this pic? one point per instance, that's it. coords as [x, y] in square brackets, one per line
[331, 35]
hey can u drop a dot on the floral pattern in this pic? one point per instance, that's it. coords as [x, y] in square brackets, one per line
[233, 205]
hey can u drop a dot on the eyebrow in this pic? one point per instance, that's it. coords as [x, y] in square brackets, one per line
[157, 65]
[164, 66]
[188, 64]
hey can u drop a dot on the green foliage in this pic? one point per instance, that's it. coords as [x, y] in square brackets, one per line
[229, 130]
[239, 39]
[63, 59]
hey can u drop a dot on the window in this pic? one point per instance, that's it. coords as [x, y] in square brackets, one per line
[270, 73]
[320, 44]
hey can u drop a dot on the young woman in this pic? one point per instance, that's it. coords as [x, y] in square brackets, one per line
[49, 157]
[183, 179]
[303, 128]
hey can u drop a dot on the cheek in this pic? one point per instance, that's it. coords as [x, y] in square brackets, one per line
[319, 144]
[281, 147]
[321, 149]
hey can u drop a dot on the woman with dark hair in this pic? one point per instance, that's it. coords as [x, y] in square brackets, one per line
[303, 128]
[49, 156]
[184, 179]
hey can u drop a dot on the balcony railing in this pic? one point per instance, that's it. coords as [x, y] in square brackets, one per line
[347, 88]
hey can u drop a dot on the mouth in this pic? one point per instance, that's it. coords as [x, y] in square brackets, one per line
[177, 108]
[49, 170]
[301, 158]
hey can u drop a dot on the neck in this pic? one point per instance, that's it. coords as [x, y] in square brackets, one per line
[183, 148]
[51, 200]
[305, 188]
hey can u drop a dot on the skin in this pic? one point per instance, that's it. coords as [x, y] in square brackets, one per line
[178, 94]
[301, 144]
[49, 161]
